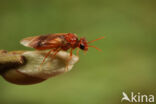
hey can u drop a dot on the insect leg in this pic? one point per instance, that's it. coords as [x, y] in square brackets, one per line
[56, 51]
[71, 54]
[70, 57]
[53, 56]
[45, 57]
[77, 52]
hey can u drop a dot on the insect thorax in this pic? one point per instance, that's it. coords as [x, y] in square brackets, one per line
[70, 41]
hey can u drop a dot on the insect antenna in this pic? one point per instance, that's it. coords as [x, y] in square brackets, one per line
[95, 48]
[95, 40]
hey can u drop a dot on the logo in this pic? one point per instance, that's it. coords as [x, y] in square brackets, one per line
[137, 97]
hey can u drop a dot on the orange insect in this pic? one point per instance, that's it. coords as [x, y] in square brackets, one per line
[58, 41]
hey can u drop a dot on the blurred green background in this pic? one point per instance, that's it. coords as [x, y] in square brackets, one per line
[127, 62]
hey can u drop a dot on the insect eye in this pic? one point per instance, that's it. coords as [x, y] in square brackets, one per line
[82, 46]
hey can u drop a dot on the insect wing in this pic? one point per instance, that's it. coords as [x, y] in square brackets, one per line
[26, 41]
[43, 42]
